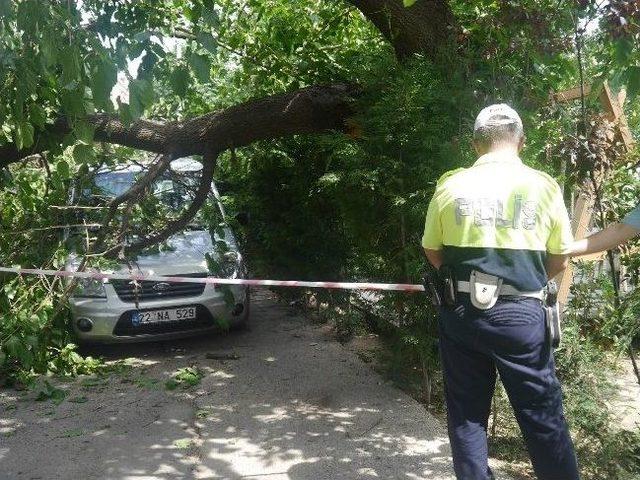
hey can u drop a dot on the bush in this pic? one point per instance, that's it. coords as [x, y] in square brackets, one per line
[34, 338]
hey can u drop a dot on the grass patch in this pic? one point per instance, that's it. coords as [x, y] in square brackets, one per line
[79, 399]
[184, 378]
[49, 392]
[184, 443]
[145, 382]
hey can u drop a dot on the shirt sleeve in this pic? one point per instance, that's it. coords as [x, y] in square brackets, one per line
[561, 237]
[633, 218]
[432, 237]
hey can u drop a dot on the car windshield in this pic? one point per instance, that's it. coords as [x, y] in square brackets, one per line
[170, 194]
[174, 189]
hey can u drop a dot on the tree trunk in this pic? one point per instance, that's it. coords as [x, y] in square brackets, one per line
[315, 109]
[425, 27]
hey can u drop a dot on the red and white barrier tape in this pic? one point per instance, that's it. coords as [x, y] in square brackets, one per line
[400, 287]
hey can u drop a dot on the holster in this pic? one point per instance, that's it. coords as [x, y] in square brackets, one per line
[432, 287]
[449, 286]
[440, 286]
[552, 315]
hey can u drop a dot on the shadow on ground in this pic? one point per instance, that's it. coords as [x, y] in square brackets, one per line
[288, 403]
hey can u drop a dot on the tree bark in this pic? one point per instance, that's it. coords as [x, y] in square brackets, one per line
[314, 109]
[426, 27]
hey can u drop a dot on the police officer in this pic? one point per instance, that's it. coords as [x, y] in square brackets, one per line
[502, 229]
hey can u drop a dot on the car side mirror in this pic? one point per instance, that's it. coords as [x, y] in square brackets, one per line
[242, 218]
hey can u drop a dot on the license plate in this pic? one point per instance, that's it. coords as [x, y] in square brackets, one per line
[165, 315]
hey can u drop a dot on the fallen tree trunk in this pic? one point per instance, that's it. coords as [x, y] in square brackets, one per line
[314, 109]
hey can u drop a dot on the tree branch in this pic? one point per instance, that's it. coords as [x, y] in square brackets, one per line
[156, 169]
[180, 223]
[313, 109]
[136, 189]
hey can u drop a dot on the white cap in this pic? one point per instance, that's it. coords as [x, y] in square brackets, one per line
[496, 115]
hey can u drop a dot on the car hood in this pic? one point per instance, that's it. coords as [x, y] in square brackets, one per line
[183, 253]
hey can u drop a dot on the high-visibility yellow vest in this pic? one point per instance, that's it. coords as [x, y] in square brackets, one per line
[499, 217]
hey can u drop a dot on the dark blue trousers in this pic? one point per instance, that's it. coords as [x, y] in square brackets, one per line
[510, 339]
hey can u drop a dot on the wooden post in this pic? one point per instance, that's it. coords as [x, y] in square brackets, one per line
[583, 210]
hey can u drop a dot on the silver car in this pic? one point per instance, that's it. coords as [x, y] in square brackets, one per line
[128, 311]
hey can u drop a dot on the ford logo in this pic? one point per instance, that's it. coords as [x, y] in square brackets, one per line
[161, 287]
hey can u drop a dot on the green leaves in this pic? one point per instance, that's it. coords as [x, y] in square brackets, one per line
[83, 154]
[28, 15]
[37, 115]
[48, 48]
[70, 60]
[13, 345]
[18, 347]
[208, 42]
[103, 80]
[209, 14]
[73, 103]
[49, 392]
[180, 80]
[618, 52]
[201, 67]
[408, 3]
[125, 112]
[5, 8]
[62, 168]
[623, 49]
[184, 377]
[23, 135]
[633, 81]
[141, 96]
[83, 131]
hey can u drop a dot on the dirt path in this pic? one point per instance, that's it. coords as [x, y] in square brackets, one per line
[626, 406]
[287, 403]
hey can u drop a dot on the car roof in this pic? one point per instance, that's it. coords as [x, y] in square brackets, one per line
[184, 164]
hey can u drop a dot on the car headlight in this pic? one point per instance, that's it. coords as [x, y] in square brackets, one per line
[89, 288]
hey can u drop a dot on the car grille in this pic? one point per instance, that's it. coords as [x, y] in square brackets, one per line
[125, 328]
[148, 290]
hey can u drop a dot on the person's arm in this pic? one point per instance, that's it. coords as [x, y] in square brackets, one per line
[432, 237]
[435, 257]
[556, 264]
[606, 239]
